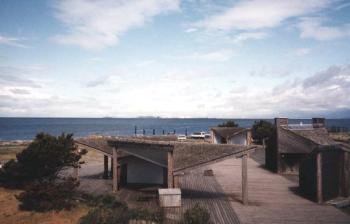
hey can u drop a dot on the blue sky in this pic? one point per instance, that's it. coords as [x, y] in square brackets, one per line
[172, 58]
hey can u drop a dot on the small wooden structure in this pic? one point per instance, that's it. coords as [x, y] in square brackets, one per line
[170, 197]
[162, 159]
[293, 142]
[231, 135]
[324, 173]
[308, 151]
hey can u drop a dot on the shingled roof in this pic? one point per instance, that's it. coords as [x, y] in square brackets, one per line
[303, 140]
[97, 143]
[186, 154]
[226, 132]
[319, 136]
[100, 143]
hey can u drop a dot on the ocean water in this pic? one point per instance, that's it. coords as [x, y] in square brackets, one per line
[27, 128]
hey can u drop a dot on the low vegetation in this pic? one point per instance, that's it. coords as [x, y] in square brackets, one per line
[44, 196]
[229, 123]
[196, 215]
[262, 130]
[107, 209]
[37, 171]
[10, 213]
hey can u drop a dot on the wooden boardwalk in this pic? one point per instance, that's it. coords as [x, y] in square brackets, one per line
[204, 190]
[272, 197]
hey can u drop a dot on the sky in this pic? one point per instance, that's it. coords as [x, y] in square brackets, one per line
[175, 58]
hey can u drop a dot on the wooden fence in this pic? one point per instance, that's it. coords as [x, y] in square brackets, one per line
[134, 221]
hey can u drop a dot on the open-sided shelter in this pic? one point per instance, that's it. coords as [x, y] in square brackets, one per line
[230, 135]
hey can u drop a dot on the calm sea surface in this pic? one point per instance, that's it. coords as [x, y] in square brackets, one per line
[26, 128]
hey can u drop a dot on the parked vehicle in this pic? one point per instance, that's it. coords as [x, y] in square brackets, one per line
[198, 135]
[181, 137]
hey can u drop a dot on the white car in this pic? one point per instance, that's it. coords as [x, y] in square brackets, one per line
[198, 134]
[181, 137]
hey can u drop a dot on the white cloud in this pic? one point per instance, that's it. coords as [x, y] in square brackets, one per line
[249, 36]
[258, 14]
[302, 51]
[11, 41]
[146, 63]
[175, 93]
[322, 92]
[190, 30]
[313, 28]
[98, 24]
[215, 56]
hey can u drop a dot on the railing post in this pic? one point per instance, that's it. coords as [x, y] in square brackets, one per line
[319, 177]
[170, 169]
[115, 173]
[244, 180]
[105, 167]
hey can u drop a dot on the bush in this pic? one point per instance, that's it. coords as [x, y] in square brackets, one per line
[262, 130]
[109, 210]
[196, 215]
[43, 159]
[11, 175]
[37, 171]
[144, 214]
[106, 215]
[48, 195]
[229, 123]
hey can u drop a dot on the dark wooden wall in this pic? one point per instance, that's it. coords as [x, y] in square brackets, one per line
[333, 178]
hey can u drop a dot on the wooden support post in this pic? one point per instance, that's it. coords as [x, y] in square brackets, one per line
[105, 167]
[115, 174]
[346, 174]
[176, 181]
[244, 179]
[111, 169]
[249, 137]
[76, 173]
[319, 177]
[170, 170]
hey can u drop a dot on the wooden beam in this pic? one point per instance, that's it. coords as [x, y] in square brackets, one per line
[170, 170]
[319, 177]
[244, 180]
[346, 174]
[249, 137]
[105, 167]
[115, 174]
[111, 170]
[76, 173]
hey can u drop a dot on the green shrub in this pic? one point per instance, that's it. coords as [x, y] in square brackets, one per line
[106, 215]
[107, 209]
[48, 195]
[229, 123]
[262, 130]
[196, 215]
[11, 175]
[43, 159]
[144, 214]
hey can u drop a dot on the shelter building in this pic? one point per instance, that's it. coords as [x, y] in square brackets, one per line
[308, 151]
[230, 135]
[139, 160]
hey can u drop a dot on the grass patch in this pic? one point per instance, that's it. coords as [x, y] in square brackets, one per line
[10, 212]
[9, 151]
